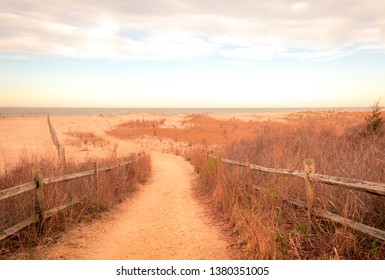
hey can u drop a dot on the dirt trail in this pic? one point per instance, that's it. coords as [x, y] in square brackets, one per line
[162, 220]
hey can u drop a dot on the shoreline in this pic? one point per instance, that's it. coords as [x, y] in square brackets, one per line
[30, 136]
[6, 112]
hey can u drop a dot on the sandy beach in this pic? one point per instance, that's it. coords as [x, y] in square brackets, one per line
[30, 136]
[24, 137]
[87, 136]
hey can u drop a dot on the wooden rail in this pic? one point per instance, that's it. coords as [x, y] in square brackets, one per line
[37, 184]
[17, 190]
[311, 178]
[368, 230]
[263, 169]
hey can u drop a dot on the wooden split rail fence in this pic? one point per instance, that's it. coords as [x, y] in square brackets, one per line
[60, 149]
[311, 178]
[37, 184]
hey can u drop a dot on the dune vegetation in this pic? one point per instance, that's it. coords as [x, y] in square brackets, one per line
[113, 187]
[342, 144]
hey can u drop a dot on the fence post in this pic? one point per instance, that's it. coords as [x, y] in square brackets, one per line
[249, 174]
[309, 167]
[37, 178]
[95, 181]
[63, 154]
[96, 177]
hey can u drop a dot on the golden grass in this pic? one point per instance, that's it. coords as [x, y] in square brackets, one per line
[80, 138]
[113, 187]
[143, 123]
[254, 202]
[196, 130]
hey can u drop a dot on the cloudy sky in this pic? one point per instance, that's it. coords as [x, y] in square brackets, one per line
[174, 53]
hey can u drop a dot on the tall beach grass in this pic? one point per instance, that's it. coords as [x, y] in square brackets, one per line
[114, 186]
[254, 202]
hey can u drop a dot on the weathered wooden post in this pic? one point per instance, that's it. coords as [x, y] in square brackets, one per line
[95, 181]
[96, 177]
[309, 167]
[37, 178]
[249, 174]
[64, 155]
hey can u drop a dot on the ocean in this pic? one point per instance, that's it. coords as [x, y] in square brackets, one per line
[56, 111]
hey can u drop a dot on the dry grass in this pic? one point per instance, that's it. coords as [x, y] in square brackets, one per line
[80, 138]
[196, 130]
[254, 202]
[143, 123]
[114, 185]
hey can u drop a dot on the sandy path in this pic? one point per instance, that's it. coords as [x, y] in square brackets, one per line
[161, 221]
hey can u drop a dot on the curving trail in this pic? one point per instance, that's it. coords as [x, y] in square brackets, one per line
[163, 220]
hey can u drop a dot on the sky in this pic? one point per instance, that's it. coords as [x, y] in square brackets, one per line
[192, 53]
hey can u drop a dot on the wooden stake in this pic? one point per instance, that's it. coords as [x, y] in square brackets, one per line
[63, 154]
[309, 167]
[249, 174]
[96, 177]
[95, 182]
[37, 178]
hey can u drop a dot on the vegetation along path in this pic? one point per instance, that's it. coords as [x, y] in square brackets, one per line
[163, 220]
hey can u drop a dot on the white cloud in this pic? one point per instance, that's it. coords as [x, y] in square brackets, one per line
[181, 29]
[300, 6]
[107, 29]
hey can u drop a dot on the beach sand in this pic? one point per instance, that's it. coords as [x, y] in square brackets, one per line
[30, 136]
[24, 137]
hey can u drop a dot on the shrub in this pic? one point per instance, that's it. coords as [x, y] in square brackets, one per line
[374, 122]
